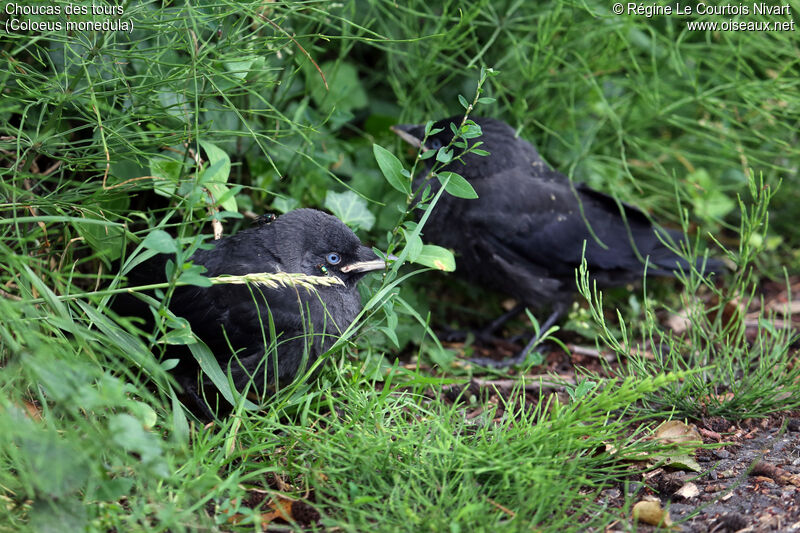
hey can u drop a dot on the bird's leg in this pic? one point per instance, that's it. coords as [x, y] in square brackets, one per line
[486, 333]
[521, 356]
[502, 319]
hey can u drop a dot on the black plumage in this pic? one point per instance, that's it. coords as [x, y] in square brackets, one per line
[524, 235]
[234, 319]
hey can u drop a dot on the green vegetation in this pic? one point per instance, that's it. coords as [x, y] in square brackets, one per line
[117, 145]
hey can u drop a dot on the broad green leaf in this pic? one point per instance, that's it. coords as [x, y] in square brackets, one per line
[350, 208]
[128, 432]
[392, 169]
[344, 91]
[179, 332]
[471, 130]
[441, 356]
[223, 196]
[160, 241]
[216, 154]
[436, 257]
[414, 245]
[215, 172]
[239, 69]
[169, 170]
[444, 155]
[214, 176]
[456, 185]
[194, 276]
[176, 105]
[106, 240]
[284, 204]
[49, 515]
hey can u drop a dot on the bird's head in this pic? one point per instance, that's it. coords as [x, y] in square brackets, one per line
[498, 138]
[318, 244]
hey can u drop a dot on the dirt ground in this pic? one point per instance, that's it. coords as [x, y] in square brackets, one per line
[751, 482]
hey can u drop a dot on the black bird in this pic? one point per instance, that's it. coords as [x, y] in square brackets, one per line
[234, 319]
[525, 233]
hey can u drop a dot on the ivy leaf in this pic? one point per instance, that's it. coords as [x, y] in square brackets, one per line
[350, 208]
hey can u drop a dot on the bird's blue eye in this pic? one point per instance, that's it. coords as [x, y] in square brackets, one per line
[435, 144]
[333, 258]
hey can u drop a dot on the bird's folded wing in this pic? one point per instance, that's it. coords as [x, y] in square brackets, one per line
[544, 222]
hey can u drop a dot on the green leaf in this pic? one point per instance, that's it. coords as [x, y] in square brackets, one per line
[179, 332]
[683, 462]
[160, 241]
[129, 433]
[350, 208]
[392, 169]
[284, 204]
[223, 196]
[180, 425]
[216, 154]
[216, 174]
[456, 185]
[444, 155]
[210, 366]
[486, 100]
[413, 244]
[194, 276]
[470, 130]
[463, 102]
[169, 170]
[441, 356]
[391, 335]
[107, 240]
[344, 91]
[436, 257]
[239, 69]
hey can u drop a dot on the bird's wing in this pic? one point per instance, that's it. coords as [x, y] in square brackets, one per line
[544, 222]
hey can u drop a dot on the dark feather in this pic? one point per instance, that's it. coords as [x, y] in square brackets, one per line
[234, 320]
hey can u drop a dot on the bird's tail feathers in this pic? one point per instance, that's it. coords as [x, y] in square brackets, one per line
[665, 262]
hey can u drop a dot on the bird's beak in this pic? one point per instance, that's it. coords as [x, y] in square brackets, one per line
[365, 266]
[369, 265]
[404, 132]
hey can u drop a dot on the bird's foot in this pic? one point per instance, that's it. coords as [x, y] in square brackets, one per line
[522, 356]
[508, 362]
[484, 335]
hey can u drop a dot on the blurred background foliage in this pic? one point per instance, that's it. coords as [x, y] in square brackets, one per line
[223, 109]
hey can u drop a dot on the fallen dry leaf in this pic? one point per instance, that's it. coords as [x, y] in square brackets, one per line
[281, 509]
[651, 512]
[688, 491]
[676, 432]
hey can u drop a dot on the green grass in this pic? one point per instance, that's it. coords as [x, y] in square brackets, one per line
[100, 135]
